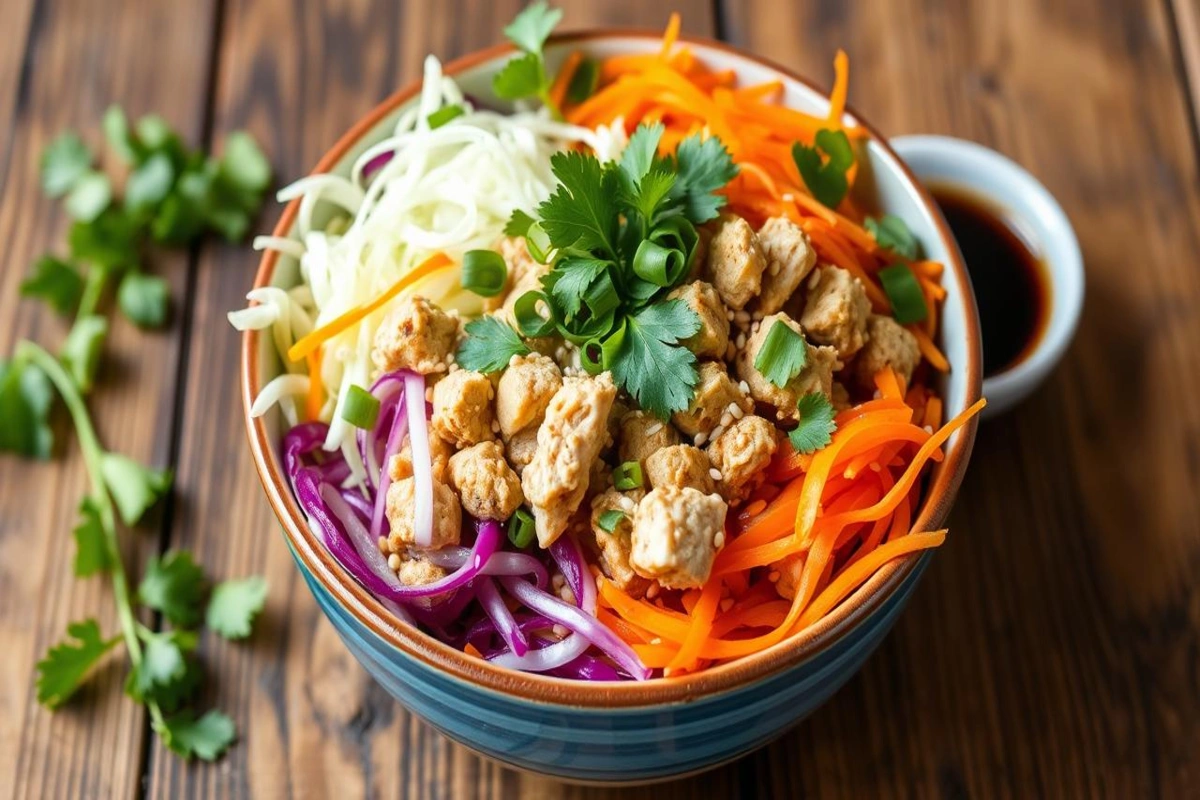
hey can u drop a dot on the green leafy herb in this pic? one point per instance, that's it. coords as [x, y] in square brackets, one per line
[134, 488]
[164, 662]
[81, 349]
[891, 233]
[175, 586]
[91, 556]
[484, 272]
[530, 29]
[825, 176]
[628, 475]
[64, 163]
[116, 131]
[904, 293]
[89, 197]
[25, 398]
[525, 76]
[234, 605]
[489, 345]
[659, 376]
[66, 664]
[704, 166]
[816, 424]
[144, 299]
[56, 282]
[584, 82]
[111, 241]
[443, 115]
[782, 355]
[150, 183]
[205, 738]
[582, 214]
[518, 224]
[610, 519]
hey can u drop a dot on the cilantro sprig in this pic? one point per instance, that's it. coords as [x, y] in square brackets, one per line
[524, 76]
[618, 236]
[816, 426]
[824, 166]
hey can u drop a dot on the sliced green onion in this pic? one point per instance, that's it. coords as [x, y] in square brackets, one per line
[611, 347]
[601, 295]
[443, 115]
[521, 529]
[361, 408]
[610, 519]
[530, 323]
[591, 357]
[676, 233]
[537, 241]
[584, 81]
[659, 265]
[891, 233]
[627, 476]
[904, 293]
[782, 355]
[484, 272]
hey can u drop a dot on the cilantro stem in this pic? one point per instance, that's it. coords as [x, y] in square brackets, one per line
[93, 288]
[93, 452]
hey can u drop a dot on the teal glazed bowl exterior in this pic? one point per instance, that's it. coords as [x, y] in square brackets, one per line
[628, 732]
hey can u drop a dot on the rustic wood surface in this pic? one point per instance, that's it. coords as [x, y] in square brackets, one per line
[1054, 646]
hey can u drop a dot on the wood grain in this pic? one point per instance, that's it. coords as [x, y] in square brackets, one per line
[61, 64]
[1185, 14]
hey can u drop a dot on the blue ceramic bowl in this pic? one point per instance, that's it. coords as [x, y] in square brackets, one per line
[626, 732]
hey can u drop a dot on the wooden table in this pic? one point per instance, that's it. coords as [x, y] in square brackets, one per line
[1054, 647]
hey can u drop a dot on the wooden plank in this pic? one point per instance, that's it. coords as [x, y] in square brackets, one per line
[1053, 646]
[1186, 17]
[61, 63]
[313, 724]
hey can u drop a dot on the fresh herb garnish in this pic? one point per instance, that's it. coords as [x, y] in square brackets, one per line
[782, 355]
[56, 282]
[584, 82]
[524, 76]
[904, 292]
[823, 166]
[489, 345]
[610, 519]
[627, 475]
[891, 233]
[816, 426]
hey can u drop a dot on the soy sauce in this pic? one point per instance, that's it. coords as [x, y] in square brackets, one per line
[1011, 287]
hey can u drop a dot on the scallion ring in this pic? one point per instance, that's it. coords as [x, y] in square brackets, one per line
[610, 519]
[904, 293]
[591, 357]
[361, 408]
[657, 264]
[521, 530]
[484, 272]
[628, 475]
[530, 323]
[537, 242]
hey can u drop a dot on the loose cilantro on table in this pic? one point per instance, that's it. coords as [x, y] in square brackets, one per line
[524, 76]
[823, 166]
[619, 236]
[816, 426]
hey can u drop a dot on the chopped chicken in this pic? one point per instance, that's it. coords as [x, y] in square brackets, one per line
[524, 275]
[679, 466]
[676, 535]
[790, 257]
[486, 484]
[401, 510]
[613, 548]
[416, 335]
[462, 408]
[890, 345]
[712, 339]
[643, 434]
[419, 572]
[521, 447]
[735, 262]
[741, 454]
[836, 312]
[714, 396]
[440, 452]
[839, 396]
[569, 440]
[816, 376]
[524, 391]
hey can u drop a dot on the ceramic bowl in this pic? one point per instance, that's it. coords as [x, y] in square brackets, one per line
[624, 732]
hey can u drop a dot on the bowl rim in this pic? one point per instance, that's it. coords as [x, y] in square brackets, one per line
[532, 687]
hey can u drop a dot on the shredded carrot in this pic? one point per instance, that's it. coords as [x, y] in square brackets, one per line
[841, 83]
[558, 90]
[312, 341]
[315, 397]
[671, 35]
[702, 619]
[889, 384]
[930, 350]
[472, 650]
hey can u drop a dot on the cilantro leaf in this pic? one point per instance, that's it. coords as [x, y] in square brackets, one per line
[65, 665]
[64, 162]
[81, 349]
[244, 165]
[143, 299]
[175, 586]
[25, 398]
[647, 362]
[569, 280]
[530, 29]
[523, 76]
[205, 738]
[816, 424]
[583, 212]
[91, 551]
[89, 197]
[163, 664]
[234, 605]
[110, 241]
[891, 233]
[518, 224]
[703, 166]
[826, 179]
[149, 184]
[489, 345]
[120, 138]
[639, 155]
[134, 488]
[654, 188]
[782, 355]
[55, 281]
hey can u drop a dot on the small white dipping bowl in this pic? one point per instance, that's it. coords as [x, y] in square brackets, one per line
[956, 163]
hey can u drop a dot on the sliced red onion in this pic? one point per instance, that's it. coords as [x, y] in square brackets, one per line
[388, 393]
[377, 163]
[506, 626]
[578, 621]
[394, 441]
[499, 564]
[301, 440]
[587, 668]
[566, 553]
[486, 628]
[354, 498]
[366, 545]
[422, 461]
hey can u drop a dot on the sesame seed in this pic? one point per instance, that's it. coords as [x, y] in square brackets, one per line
[814, 279]
[874, 465]
[788, 197]
[653, 429]
[393, 562]
[495, 426]
[929, 429]
[560, 631]
[652, 592]
[740, 342]
[727, 419]
[757, 316]
[656, 640]
[557, 582]
[773, 270]
[729, 314]
[699, 439]
[714, 473]
[383, 544]
[730, 351]
[745, 387]
[736, 410]
[429, 394]
[773, 576]
[716, 432]
[741, 317]
[450, 358]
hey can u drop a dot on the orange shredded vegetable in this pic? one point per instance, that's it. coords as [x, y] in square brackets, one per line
[558, 90]
[315, 397]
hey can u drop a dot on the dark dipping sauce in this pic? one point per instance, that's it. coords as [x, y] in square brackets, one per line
[1011, 287]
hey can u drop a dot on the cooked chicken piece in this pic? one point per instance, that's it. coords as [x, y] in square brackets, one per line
[569, 440]
[790, 257]
[836, 312]
[735, 262]
[890, 345]
[419, 572]
[715, 394]
[524, 391]
[613, 548]
[679, 466]
[839, 396]
[401, 508]
[620, 407]
[486, 484]
[462, 408]
[816, 376]
[524, 275]
[713, 337]
[416, 335]
[676, 535]
[518, 261]
[642, 434]
[439, 451]
[521, 446]
[741, 454]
